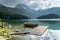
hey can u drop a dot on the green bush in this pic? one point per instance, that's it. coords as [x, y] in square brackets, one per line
[5, 32]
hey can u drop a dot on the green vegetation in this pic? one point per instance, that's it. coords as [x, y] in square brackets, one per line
[5, 32]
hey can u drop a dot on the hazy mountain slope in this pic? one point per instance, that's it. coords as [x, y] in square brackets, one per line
[49, 16]
[55, 11]
[24, 10]
[10, 13]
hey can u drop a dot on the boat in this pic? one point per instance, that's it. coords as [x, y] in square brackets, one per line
[30, 25]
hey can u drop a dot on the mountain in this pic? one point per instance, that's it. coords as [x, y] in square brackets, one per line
[54, 10]
[25, 10]
[49, 16]
[12, 16]
[22, 7]
[10, 13]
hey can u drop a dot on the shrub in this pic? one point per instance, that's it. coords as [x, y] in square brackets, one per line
[5, 32]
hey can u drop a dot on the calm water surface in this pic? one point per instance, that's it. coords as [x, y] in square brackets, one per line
[20, 23]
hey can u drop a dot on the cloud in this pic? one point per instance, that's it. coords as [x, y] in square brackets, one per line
[10, 3]
[56, 3]
[40, 4]
[43, 4]
[34, 4]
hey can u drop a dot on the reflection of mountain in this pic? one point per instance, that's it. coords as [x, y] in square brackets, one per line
[49, 16]
[11, 13]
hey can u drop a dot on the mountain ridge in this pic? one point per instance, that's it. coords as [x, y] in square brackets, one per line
[22, 9]
[49, 16]
[6, 12]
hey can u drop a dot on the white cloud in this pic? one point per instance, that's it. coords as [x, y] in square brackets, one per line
[34, 4]
[56, 3]
[10, 3]
[31, 2]
[40, 4]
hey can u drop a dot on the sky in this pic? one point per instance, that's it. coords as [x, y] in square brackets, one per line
[33, 4]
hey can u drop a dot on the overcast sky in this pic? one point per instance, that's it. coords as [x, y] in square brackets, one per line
[34, 4]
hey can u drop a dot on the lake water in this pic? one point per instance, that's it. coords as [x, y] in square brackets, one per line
[20, 23]
[50, 35]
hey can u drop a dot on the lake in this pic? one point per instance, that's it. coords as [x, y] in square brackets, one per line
[20, 23]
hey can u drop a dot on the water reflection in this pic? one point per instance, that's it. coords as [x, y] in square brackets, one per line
[20, 23]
